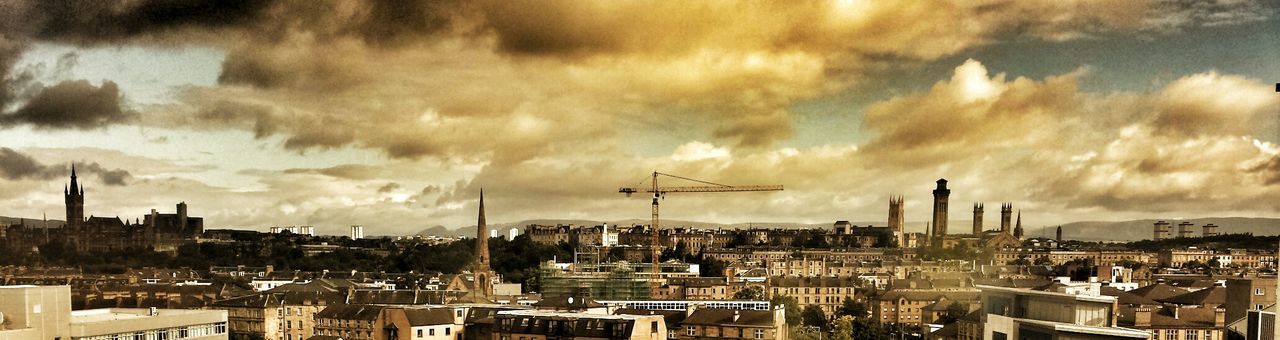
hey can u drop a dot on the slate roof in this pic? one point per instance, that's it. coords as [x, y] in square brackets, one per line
[713, 316]
[351, 312]
[264, 300]
[1162, 317]
[429, 317]
[672, 318]
[1212, 296]
[1158, 291]
[1127, 298]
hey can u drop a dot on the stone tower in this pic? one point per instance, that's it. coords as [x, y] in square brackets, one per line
[977, 219]
[1006, 217]
[483, 273]
[940, 197]
[896, 219]
[182, 218]
[1017, 231]
[1059, 238]
[74, 197]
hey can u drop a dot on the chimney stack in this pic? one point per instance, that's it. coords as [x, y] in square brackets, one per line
[1219, 317]
[1142, 316]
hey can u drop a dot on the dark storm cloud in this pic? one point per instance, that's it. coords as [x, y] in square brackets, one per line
[391, 22]
[71, 104]
[15, 165]
[1270, 171]
[94, 22]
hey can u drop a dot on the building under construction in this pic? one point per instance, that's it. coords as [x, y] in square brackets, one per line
[607, 280]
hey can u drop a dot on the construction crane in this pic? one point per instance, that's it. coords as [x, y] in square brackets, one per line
[659, 192]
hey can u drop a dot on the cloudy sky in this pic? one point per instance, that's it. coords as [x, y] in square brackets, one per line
[393, 114]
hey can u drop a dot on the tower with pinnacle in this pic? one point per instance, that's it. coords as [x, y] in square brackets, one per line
[1006, 216]
[74, 197]
[977, 219]
[941, 195]
[896, 219]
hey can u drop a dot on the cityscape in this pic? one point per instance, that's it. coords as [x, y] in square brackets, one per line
[497, 170]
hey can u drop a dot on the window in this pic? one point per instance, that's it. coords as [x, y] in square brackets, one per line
[1193, 334]
[1257, 291]
[431, 332]
[759, 334]
[691, 331]
[420, 333]
[446, 331]
[1171, 334]
[1208, 334]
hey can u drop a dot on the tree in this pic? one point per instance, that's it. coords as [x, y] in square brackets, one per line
[813, 316]
[954, 312]
[790, 306]
[852, 308]
[755, 293]
[739, 239]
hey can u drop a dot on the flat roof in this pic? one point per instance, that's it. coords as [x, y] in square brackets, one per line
[118, 314]
[1081, 297]
[530, 312]
[1073, 328]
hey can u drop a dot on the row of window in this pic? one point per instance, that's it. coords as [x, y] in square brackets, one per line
[1189, 334]
[432, 331]
[706, 331]
[172, 333]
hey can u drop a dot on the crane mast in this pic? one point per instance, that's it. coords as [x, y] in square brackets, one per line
[658, 193]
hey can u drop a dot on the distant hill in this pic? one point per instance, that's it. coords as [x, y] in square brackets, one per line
[1142, 229]
[6, 221]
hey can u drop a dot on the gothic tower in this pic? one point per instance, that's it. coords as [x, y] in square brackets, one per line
[940, 197]
[483, 274]
[1017, 231]
[74, 197]
[1006, 216]
[977, 219]
[896, 219]
[1059, 238]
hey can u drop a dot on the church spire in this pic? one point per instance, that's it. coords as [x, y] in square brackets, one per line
[1017, 230]
[482, 238]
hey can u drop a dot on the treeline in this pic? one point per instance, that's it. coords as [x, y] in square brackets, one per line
[1235, 241]
[517, 260]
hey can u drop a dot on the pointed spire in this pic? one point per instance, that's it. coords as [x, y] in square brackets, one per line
[75, 187]
[480, 220]
[1019, 223]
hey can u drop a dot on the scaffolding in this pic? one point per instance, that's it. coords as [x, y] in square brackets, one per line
[588, 276]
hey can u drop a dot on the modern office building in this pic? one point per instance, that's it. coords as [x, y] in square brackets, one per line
[44, 312]
[1068, 313]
